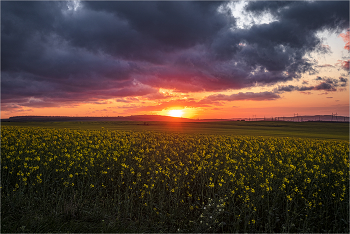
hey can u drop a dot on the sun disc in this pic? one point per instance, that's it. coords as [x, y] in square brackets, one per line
[176, 113]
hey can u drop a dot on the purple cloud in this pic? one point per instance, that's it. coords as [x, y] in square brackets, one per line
[53, 55]
[262, 96]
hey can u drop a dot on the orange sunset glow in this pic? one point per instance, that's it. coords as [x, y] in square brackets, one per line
[216, 60]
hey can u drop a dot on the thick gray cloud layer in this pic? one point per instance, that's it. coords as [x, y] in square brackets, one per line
[262, 96]
[326, 84]
[53, 55]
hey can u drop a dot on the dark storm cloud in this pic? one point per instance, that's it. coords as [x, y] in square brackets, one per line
[288, 88]
[304, 88]
[325, 65]
[309, 15]
[343, 81]
[271, 6]
[53, 55]
[170, 24]
[262, 96]
[327, 84]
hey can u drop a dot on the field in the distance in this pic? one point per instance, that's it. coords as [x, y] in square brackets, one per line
[318, 130]
[174, 177]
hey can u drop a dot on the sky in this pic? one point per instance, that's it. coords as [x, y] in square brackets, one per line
[210, 59]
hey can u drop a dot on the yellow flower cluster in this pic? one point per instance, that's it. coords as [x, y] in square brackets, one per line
[303, 174]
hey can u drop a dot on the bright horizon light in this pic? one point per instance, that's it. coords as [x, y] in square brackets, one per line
[176, 113]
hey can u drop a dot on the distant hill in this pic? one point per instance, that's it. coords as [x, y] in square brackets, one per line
[147, 118]
[119, 118]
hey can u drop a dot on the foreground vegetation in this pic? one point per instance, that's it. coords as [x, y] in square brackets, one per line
[64, 180]
[319, 130]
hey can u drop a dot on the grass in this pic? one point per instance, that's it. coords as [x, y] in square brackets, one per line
[316, 130]
[80, 177]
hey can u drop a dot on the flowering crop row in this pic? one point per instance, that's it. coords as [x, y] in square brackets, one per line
[205, 182]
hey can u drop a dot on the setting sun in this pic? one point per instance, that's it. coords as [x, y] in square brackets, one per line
[176, 113]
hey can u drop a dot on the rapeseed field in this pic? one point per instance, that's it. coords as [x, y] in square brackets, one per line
[63, 180]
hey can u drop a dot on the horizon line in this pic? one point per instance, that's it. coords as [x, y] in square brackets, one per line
[120, 116]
